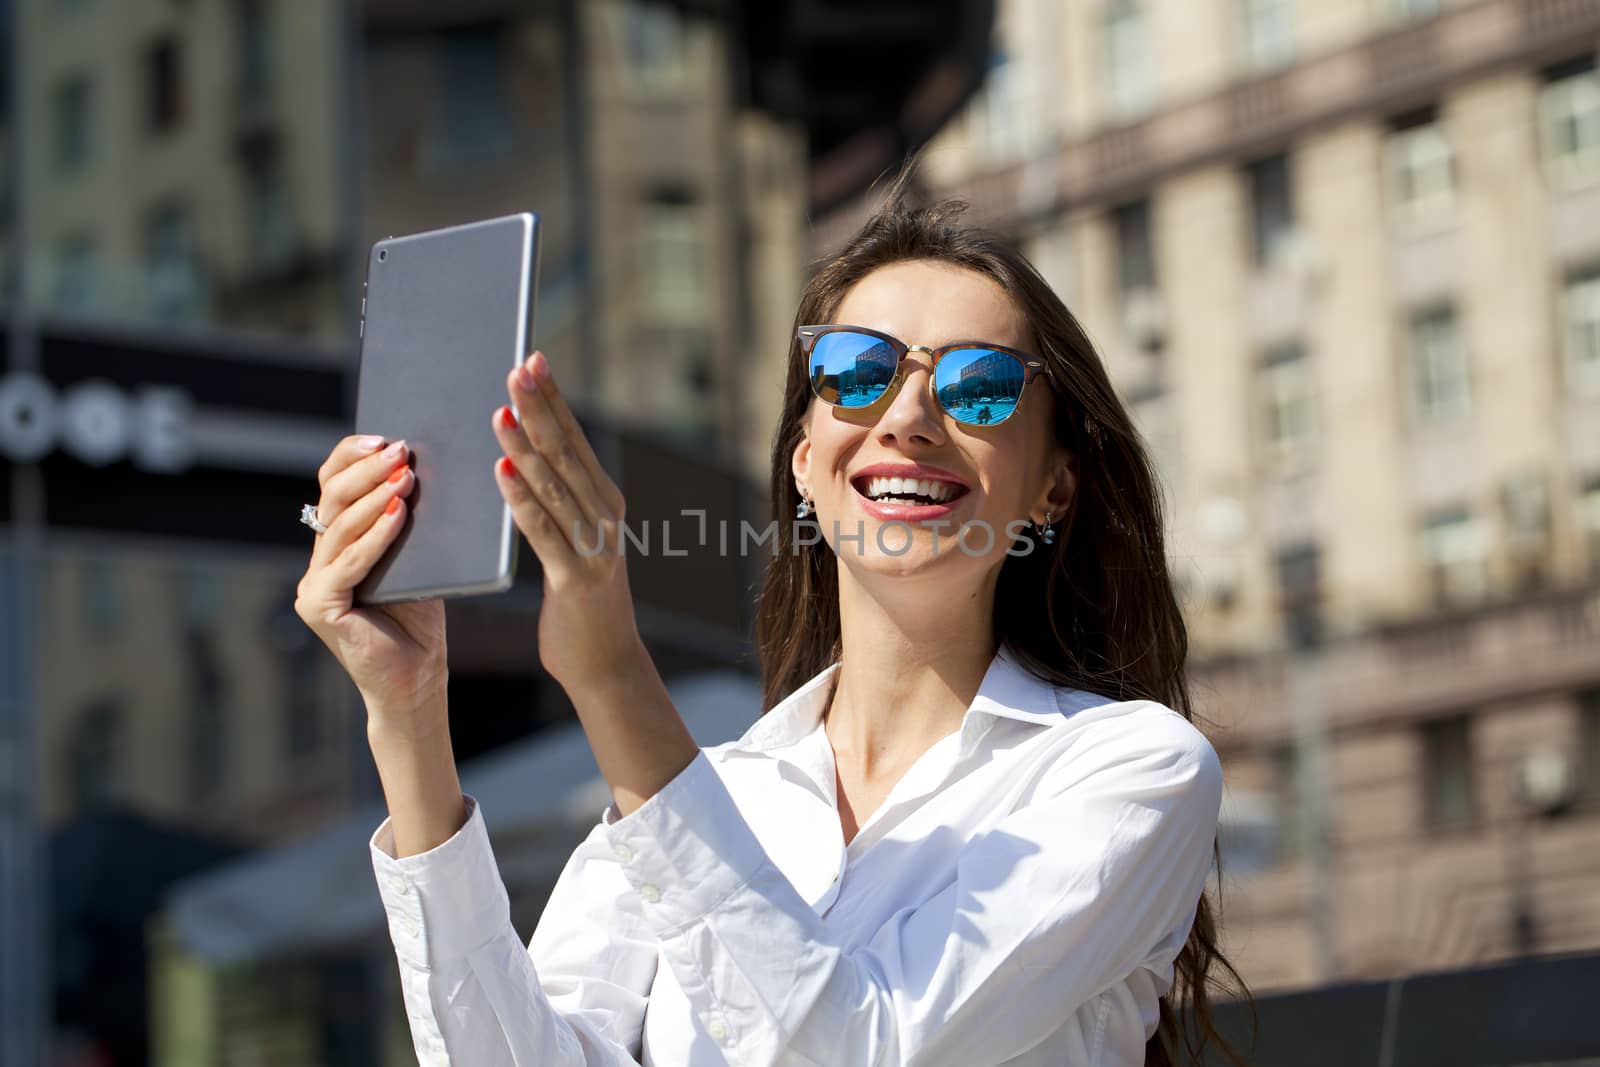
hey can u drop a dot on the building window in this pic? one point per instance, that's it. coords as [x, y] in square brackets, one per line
[657, 47]
[163, 86]
[1589, 744]
[1271, 208]
[674, 253]
[208, 742]
[1007, 123]
[1448, 800]
[1136, 261]
[1580, 317]
[1589, 521]
[1413, 9]
[173, 274]
[1292, 826]
[1300, 594]
[304, 734]
[1288, 400]
[254, 44]
[471, 123]
[1455, 548]
[72, 124]
[1127, 70]
[272, 237]
[105, 602]
[1268, 32]
[76, 288]
[1441, 389]
[94, 773]
[202, 595]
[1421, 167]
[1156, 419]
[1569, 121]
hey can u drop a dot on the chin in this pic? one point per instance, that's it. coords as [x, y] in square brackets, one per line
[918, 560]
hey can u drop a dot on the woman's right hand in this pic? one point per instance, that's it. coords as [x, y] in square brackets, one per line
[395, 653]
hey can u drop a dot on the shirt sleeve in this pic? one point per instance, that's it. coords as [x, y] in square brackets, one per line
[472, 992]
[1058, 902]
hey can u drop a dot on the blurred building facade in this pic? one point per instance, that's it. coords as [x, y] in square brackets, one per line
[187, 199]
[187, 193]
[179, 142]
[1342, 259]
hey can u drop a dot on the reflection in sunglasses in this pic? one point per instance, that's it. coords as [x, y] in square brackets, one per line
[977, 386]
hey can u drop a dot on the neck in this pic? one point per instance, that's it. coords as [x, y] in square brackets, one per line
[912, 662]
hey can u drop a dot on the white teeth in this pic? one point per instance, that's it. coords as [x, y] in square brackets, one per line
[880, 487]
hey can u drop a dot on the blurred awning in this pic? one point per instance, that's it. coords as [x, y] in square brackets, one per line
[539, 799]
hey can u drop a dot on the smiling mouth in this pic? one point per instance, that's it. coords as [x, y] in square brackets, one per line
[923, 491]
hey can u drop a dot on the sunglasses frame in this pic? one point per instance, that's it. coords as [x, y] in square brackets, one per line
[1032, 366]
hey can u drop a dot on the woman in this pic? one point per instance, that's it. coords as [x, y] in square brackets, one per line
[974, 825]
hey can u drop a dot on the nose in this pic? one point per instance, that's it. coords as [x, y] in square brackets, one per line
[913, 414]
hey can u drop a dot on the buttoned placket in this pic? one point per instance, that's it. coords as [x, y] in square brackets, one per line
[813, 756]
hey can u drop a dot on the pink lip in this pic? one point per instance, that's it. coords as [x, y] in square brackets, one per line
[907, 512]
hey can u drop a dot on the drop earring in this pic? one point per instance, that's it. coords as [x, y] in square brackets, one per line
[1047, 533]
[805, 505]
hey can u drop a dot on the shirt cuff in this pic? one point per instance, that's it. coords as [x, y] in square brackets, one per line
[445, 903]
[685, 849]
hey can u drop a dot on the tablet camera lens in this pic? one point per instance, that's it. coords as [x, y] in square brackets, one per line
[383, 254]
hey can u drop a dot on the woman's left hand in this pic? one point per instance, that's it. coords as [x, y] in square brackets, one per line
[571, 513]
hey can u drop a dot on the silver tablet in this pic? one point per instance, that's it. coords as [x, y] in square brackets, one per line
[447, 314]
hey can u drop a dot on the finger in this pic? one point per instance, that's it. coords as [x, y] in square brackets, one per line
[575, 448]
[569, 508]
[556, 554]
[541, 435]
[358, 479]
[356, 518]
[347, 451]
[346, 570]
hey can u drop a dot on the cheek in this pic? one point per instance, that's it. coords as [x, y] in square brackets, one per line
[1004, 477]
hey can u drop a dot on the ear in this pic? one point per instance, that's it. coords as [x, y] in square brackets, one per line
[800, 461]
[1061, 484]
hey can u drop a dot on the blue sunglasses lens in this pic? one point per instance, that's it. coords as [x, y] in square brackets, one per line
[978, 386]
[851, 369]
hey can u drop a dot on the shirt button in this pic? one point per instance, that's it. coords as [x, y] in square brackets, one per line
[650, 893]
[409, 925]
[400, 885]
[624, 853]
[718, 1030]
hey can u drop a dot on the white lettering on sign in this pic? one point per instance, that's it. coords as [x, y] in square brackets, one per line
[97, 422]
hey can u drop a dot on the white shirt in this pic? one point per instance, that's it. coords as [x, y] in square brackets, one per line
[1018, 898]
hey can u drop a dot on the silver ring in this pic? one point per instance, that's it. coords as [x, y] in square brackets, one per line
[308, 515]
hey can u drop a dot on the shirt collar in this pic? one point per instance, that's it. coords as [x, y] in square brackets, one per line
[1008, 691]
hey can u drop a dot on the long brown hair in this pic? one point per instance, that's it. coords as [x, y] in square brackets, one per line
[1108, 621]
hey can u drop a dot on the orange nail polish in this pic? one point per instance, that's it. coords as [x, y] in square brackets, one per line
[506, 467]
[399, 474]
[392, 507]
